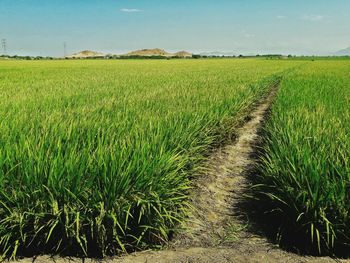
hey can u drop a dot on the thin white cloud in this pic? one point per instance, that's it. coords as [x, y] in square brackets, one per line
[313, 17]
[281, 17]
[130, 10]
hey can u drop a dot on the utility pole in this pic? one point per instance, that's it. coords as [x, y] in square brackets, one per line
[3, 44]
[64, 49]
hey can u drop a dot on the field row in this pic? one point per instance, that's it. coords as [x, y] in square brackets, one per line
[96, 156]
[305, 175]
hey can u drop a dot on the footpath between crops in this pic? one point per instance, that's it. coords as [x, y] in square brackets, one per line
[219, 230]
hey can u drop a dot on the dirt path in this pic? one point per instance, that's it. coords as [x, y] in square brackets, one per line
[215, 233]
[219, 190]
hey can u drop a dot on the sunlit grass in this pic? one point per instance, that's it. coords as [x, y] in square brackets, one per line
[95, 156]
[306, 167]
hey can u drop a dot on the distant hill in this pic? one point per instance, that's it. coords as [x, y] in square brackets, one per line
[149, 52]
[343, 52]
[87, 54]
[183, 54]
[158, 52]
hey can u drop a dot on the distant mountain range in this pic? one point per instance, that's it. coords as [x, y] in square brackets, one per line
[87, 54]
[343, 52]
[156, 52]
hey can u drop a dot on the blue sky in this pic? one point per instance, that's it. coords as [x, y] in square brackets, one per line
[40, 27]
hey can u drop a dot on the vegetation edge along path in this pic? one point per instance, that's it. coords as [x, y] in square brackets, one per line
[214, 232]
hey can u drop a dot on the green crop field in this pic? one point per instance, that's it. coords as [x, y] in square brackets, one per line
[97, 156]
[306, 170]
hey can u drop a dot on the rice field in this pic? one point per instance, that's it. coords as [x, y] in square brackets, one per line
[305, 170]
[96, 157]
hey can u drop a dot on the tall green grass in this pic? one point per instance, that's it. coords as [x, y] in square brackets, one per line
[96, 156]
[305, 177]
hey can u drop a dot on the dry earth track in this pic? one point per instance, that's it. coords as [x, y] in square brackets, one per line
[215, 233]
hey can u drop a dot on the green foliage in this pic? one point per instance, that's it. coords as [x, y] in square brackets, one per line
[95, 156]
[306, 170]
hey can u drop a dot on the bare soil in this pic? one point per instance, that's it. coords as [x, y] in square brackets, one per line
[216, 232]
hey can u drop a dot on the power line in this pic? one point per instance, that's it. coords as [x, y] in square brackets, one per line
[3, 44]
